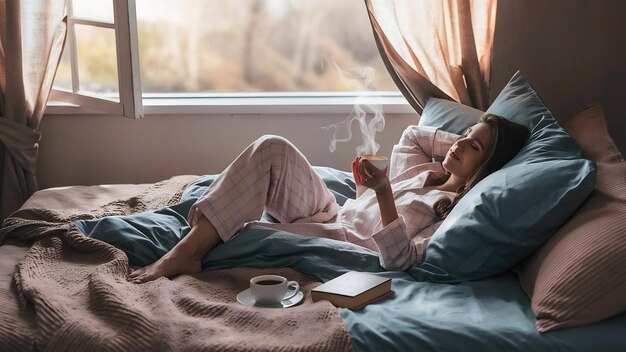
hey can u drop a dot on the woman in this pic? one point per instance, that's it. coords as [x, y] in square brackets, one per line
[272, 175]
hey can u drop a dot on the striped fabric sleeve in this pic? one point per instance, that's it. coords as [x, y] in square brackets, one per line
[420, 145]
[397, 252]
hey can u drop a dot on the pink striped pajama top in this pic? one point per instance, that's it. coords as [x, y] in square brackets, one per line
[272, 175]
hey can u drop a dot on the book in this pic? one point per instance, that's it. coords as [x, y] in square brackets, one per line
[353, 290]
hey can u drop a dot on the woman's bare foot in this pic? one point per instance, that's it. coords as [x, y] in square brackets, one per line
[169, 265]
[184, 258]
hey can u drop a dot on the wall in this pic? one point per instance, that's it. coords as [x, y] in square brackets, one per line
[85, 150]
[572, 52]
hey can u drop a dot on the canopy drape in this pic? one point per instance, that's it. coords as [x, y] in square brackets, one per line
[436, 48]
[32, 35]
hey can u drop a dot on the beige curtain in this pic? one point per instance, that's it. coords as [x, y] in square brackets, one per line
[436, 48]
[32, 34]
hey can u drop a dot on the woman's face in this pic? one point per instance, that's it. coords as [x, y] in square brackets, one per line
[469, 151]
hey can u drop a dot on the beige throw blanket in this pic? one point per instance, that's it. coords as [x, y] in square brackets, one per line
[78, 289]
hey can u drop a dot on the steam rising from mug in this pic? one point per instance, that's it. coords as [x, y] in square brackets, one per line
[342, 131]
[361, 79]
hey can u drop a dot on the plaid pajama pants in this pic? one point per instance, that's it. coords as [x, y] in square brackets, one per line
[270, 175]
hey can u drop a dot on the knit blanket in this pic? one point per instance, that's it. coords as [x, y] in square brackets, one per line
[78, 289]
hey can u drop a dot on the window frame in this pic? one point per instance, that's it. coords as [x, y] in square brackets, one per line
[124, 26]
[133, 105]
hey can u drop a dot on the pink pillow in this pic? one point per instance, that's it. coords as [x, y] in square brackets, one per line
[579, 275]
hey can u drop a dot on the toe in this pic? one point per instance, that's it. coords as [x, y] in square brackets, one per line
[137, 272]
[138, 280]
[145, 277]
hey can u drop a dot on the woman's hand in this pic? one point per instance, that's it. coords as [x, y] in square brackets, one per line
[370, 176]
[357, 179]
[367, 175]
[355, 172]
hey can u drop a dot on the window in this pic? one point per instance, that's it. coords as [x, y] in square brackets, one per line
[99, 67]
[122, 55]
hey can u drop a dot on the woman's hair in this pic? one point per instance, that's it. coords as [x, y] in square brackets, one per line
[507, 138]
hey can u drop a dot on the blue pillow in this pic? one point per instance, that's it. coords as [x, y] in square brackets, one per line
[449, 115]
[510, 213]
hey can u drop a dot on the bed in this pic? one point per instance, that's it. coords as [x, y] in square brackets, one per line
[63, 277]
[490, 314]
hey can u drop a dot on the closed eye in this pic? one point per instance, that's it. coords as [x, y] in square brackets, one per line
[476, 144]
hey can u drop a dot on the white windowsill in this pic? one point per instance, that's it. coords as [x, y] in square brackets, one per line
[255, 104]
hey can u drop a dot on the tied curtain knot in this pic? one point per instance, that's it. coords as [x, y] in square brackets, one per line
[21, 142]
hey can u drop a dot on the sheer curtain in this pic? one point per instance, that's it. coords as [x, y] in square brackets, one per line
[32, 34]
[436, 48]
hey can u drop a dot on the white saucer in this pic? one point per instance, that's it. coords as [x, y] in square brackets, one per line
[245, 297]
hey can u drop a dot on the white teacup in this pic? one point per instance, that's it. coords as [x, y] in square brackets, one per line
[380, 162]
[272, 289]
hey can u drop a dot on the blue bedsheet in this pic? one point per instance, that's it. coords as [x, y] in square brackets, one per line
[492, 314]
